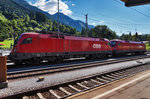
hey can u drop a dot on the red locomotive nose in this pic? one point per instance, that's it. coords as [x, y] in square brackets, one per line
[113, 48]
[14, 50]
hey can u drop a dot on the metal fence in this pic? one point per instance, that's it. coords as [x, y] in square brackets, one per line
[4, 52]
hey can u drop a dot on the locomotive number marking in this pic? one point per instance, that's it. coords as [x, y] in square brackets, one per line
[96, 45]
[140, 46]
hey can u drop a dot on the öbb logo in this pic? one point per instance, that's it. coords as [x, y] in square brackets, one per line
[96, 45]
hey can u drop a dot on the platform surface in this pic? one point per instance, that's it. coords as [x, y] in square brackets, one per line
[134, 87]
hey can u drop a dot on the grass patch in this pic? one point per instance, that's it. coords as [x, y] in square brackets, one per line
[7, 43]
[147, 47]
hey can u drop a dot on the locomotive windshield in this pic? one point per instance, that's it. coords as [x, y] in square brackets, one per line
[27, 41]
[112, 43]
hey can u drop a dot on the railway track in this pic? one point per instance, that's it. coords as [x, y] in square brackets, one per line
[43, 71]
[11, 65]
[70, 88]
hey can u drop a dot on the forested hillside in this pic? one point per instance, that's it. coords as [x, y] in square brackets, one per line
[10, 23]
[18, 19]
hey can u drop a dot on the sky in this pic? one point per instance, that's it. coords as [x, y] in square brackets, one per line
[112, 13]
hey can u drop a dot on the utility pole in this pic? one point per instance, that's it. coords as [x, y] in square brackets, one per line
[135, 29]
[86, 34]
[58, 18]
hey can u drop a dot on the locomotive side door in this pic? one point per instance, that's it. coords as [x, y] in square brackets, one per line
[66, 46]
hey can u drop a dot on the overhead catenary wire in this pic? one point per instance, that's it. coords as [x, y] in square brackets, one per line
[108, 17]
[121, 23]
[133, 9]
[123, 26]
[112, 24]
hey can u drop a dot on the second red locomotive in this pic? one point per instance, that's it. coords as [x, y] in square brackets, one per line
[121, 47]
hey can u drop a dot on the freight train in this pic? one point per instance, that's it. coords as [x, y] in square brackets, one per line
[36, 47]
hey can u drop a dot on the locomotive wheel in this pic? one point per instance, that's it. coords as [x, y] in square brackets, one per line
[92, 56]
[88, 57]
[116, 55]
[36, 61]
[58, 59]
[18, 62]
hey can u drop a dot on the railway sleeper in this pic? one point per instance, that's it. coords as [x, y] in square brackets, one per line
[25, 97]
[64, 90]
[95, 81]
[82, 85]
[113, 77]
[92, 83]
[55, 94]
[106, 78]
[67, 88]
[117, 76]
[87, 83]
[78, 90]
[40, 96]
[103, 80]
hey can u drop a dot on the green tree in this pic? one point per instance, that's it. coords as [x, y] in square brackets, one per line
[27, 19]
[137, 36]
[40, 17]
[125, 37]
[33, 23]
[102, 31]
[83, 31]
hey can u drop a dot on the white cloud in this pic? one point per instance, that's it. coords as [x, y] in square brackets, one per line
[101, 22]
[140, 33]
[94, 24]
[51, 6]
[30, 3]
[73, 4]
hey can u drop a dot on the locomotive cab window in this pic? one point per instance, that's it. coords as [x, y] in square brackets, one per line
[109, 43]
[112, 44]
[119, 44]
[27, 41]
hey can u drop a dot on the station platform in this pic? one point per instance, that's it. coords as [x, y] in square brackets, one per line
[134, 87]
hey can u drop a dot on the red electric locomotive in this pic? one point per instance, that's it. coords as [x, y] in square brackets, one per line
[121, 47]
[35, 47]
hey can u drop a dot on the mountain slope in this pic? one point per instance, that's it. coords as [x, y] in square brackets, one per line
[26, 5]
[63, 18]
[12, 7]
[71, 22]
[83, 24]
[23, 8]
